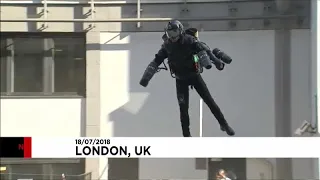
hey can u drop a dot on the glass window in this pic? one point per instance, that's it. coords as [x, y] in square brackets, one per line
[3, 59]
[69, 65]
[43, 64]
[28, 64]
[4, 176]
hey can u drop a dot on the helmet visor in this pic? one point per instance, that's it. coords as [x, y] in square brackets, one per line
[173, 34]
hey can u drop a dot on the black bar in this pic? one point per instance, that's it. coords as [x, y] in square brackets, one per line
[11, 147]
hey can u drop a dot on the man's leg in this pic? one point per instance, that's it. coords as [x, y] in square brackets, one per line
[204, 93]
[183, 100]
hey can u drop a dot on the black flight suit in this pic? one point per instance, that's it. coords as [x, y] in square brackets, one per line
[180, 59]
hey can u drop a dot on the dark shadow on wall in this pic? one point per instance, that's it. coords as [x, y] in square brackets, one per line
[33, 13]
[78, 14]
[120, 168]
[129, 11]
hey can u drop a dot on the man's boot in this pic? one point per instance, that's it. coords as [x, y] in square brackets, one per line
[186, 132]
[227, 129]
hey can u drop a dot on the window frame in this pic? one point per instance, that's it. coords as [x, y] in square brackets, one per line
[48, 67]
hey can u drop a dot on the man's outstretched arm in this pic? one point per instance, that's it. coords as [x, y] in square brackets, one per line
[153, 66]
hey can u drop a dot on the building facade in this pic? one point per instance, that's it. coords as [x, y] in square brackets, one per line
[69, 77]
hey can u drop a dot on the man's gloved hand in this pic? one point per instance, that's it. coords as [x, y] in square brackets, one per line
[220, 66]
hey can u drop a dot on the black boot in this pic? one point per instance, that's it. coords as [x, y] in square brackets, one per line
[227, 129]
[186, 132]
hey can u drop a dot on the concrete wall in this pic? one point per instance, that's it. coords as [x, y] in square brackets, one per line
[245, 89]
[42, 117]
[301, 97]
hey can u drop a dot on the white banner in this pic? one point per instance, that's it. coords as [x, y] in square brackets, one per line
[271, 147]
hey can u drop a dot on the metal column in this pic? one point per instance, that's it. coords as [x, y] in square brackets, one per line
[45, 14]
[315, 75]
[92, 12]
[10, 65]
[138, 13]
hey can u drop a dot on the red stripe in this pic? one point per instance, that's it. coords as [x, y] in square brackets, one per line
[27, 147]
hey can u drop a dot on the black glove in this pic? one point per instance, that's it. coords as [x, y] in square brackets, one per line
[148, 74]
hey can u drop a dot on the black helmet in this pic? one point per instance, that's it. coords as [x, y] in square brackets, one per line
[174, 29]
